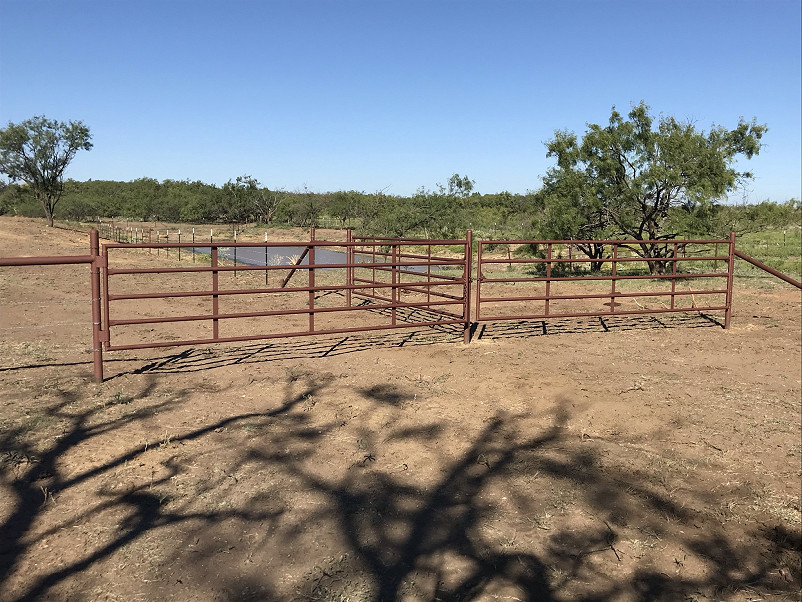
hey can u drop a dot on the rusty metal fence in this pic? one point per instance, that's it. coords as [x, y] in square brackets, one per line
[614, 277]
[208, 295]
[376, 283]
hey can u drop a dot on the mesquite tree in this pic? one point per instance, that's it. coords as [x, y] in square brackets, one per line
[622, 179]
[37, 151]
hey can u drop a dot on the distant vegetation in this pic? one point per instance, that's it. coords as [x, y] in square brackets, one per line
[446, 211]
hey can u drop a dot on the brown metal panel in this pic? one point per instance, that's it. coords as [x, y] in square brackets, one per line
[614, 278]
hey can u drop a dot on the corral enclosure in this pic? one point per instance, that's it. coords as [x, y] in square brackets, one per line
[643, 457]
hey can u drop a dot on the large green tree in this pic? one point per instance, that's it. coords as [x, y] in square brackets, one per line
[623, 179]
[37, 152]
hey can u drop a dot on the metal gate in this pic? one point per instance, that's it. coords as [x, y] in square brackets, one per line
[583, 278]
[388, 283]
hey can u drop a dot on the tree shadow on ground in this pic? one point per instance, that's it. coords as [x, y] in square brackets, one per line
[382, 527]
[35, 478]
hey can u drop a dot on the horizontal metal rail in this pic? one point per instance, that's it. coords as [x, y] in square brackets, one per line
[603, 259]
[620, 242]
[47, 260]
[617, 312]
[768, 269]
[383, 240]
[261, 291]
[275, 312]
[617, 277]
[615, 295]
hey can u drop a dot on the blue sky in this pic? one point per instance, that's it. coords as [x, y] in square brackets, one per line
[383, 94]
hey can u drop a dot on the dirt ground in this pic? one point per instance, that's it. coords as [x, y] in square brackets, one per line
[638, 459]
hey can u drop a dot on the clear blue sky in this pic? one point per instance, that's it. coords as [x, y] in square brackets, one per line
[386, 94]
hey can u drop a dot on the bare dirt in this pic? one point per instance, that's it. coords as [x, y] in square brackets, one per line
[639, 459]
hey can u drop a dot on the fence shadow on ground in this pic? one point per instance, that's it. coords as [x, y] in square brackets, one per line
[196, 359]
[517, 329]
[199, 359]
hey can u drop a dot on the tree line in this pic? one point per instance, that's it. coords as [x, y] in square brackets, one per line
[636, 178]
[445, 211]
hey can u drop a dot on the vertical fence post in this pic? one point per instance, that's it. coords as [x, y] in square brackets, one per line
[730, 276]
[311, 280]
[266, 271]
[235, 254]
[428, 274]
[548, 278]
[715, 261]
[478, 278]
[97, 340]
[193, 248]
[674, 275]
[466, 294]
[179, 248]
[613, 279]
[394, 282]
[349, 271]
[215, 299]
[106, 334]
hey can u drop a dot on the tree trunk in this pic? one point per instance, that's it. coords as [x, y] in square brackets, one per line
[47, 207]
[657, 267]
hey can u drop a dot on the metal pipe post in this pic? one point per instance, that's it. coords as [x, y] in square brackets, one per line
[613, 279]
[394, 281]
[466, 311]
[548, 278]
[97, 337]
[311, 281]
[349, 271]
[215, 298]
[478, 280]
[730, 278]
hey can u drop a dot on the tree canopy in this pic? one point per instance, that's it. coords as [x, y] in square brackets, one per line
[37, 151]
[622, 179]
